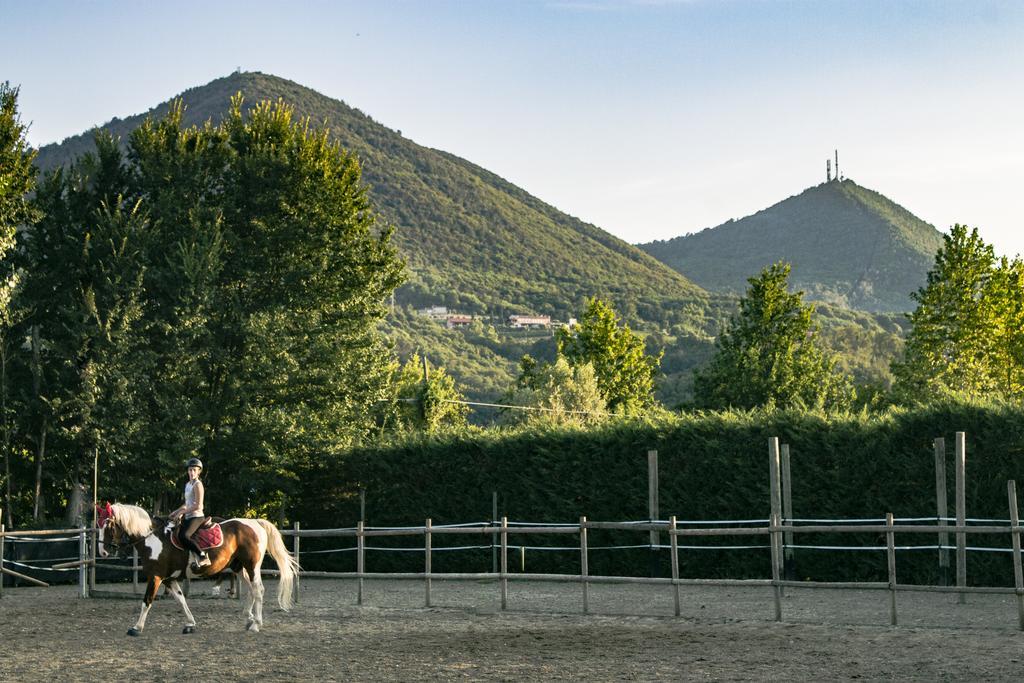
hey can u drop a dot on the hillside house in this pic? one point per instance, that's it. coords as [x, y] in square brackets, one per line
[457, 320]
[434, 312]
[539, 322]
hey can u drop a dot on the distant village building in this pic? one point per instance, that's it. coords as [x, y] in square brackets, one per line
[434, 312]
[454, 320]
[529, 321]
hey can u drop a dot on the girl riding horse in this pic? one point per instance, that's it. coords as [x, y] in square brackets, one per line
[245, 542]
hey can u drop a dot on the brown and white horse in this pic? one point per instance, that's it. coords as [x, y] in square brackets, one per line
[246, 541]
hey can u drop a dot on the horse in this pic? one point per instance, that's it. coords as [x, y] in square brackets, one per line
[245, 542]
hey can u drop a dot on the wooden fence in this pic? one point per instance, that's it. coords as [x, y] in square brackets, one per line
[780, 531]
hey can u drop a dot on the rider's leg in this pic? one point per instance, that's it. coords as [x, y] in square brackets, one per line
[187, 528]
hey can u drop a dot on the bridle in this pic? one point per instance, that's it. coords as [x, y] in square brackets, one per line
[118, 545]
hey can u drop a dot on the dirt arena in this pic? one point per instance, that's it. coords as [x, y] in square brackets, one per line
[49, 634]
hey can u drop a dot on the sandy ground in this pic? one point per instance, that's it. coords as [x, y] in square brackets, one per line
[724, 634]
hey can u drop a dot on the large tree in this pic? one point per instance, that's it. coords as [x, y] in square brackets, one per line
[623, 370]
[17, 180]
[768, 355]
[966, 337]
[227, 282]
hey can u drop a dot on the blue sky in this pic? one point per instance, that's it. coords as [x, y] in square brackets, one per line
[648, 118]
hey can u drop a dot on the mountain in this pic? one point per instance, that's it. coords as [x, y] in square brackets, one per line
[480, 245]
[848, 245]
[473, 241]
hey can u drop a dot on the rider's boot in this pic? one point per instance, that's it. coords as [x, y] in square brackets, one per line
[204, 560]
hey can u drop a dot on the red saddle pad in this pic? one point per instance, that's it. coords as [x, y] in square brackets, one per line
[206, 538]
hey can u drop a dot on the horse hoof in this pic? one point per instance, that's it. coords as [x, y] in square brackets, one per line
[134, 631]
[215, 591]
[189, 629]
[253, 627]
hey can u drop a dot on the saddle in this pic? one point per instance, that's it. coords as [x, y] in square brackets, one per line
[208, 536]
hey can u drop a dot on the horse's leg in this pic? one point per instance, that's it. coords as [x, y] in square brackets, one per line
[250, 624]
[147, 603]
[190, 625]
[257, 583]
[216, 586]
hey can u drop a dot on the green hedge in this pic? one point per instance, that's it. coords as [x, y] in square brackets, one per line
[713, 466]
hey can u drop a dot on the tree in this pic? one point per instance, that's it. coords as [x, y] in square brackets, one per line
[425, 399]
[1006, 292]
[557, 393]
[768, 355]
[623, 370]
[81, 306]
[218, 289]
[955, 327]
[17, 180]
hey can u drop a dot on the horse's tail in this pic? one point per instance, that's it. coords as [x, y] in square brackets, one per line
[285, 563]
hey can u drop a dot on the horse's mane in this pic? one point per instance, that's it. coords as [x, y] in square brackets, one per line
[134, 520]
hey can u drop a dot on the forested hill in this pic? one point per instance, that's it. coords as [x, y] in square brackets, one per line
[473, 241]
[848, 245]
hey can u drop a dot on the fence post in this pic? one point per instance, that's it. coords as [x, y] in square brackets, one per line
[941, 509]
[652, 509]
[2, 539]
[774, 484]
[890, 542]
[788, 565]
[83, 555]
[504, 562]
[584, 566]
[961, 515]
[135, 571]
[359, 561]
[298, 570]
[776, 588]
[427, 550]
[673, 540]
[1018, 574]
[494, 522]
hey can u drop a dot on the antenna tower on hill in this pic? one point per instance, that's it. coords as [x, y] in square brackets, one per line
[838, 176]
[828, 170]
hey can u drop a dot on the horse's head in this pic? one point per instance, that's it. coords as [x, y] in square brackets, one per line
[110, 533]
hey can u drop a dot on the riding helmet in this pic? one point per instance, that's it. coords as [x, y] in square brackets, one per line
[194, 462]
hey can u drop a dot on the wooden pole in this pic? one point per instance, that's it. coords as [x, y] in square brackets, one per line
[774, 486]
[296, 527]
[1018, 573]
[789, 570]
[360, 544]
[504, 562]
[652, 508]
[427, 551]
[941, 509]
[83, 555]
[890, 542]
[494, 521]
[674, 542]
[2, 539]
[362, 505]
[95, 502]
[584, 566]
[961, 515]
[23, 577]
[776, 588]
